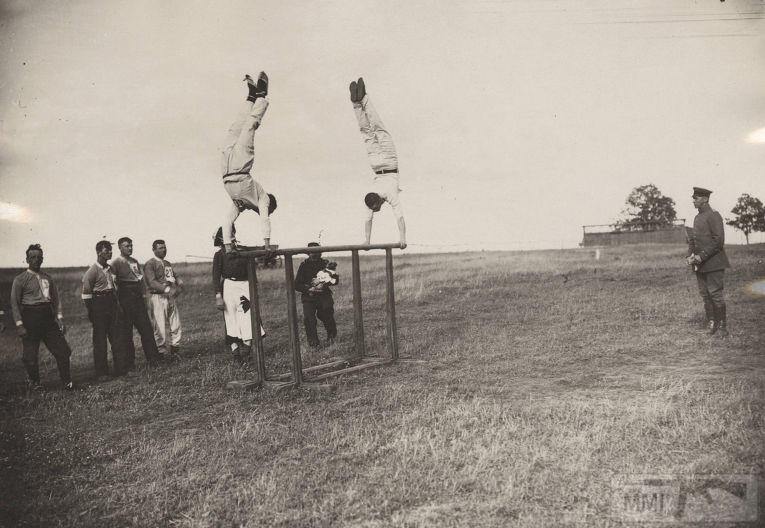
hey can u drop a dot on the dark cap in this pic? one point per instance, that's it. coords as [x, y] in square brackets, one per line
[699, 191]
[313, 244]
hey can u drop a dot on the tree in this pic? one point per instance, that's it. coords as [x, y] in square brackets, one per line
[647, 209]
[750, 215]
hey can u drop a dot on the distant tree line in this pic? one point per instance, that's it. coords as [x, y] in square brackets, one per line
[647, 209]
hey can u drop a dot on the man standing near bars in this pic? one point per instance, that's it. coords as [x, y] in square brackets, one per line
[100, 296]
[130, 290]
[238, 161]
[163, 286]
[232, 296]
[316, 296]
[383, 159]
[706, 254]
[36, 308]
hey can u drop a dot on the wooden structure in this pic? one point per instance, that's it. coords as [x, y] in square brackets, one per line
[644, 233]
[360, 360]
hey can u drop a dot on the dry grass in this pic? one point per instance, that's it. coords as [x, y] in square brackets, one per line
[544, 375]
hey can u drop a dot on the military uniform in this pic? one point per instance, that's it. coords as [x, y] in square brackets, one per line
[100, 296]
[36, 305]
[130, 290]
[707, 243]
[316, 303]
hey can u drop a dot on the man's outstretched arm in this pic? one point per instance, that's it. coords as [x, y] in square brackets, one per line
[402, 231]
[265, 219]
[228, 226]
[368, 229]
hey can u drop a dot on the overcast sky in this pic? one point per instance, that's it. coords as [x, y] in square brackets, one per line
[516, 122]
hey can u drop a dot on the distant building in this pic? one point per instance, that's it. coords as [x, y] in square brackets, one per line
[642, 233]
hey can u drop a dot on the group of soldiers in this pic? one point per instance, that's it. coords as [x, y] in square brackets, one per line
[119, 295]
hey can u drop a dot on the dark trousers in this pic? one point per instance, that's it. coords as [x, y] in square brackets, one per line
[106, 325]
[323, 307]
[134, 314]
[711, 290]
[41, 325]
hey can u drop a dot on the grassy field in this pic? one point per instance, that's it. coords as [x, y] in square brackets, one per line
[543, 376]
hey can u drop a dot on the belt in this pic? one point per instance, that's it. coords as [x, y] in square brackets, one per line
[35, 305]
[234, 174]
[103, 293]
[235, 280]
[386, 171]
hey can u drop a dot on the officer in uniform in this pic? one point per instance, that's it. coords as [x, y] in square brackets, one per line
[316, 297]
[100, 296]
[706, 255]
[36, 308]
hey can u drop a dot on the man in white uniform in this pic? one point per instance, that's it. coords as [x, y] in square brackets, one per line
[382, 158]
[238, 160]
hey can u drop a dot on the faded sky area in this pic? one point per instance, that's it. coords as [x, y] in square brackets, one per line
[516, 122]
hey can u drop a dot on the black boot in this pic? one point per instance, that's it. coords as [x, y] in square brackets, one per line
[714, 324]
[722, 322]
[245, 350]
[257, 88]
[238, 355]
[709, 312]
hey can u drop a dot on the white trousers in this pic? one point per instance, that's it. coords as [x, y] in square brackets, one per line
[238, 322]
[379, 143]
[163, 312]
[239, 157]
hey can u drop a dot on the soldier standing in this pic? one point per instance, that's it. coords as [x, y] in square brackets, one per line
[316, 296]
[100, 296]
[36, 308]
[164, 286]
[130, 289]
[708, 259]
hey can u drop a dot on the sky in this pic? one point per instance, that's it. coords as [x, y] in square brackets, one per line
[516, 122]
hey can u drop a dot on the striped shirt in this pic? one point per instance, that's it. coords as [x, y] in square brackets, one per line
[30, 288]
[97, 279]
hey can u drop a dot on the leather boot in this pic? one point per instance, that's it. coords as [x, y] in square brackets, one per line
[709, 312]
[245, 350]
[714, 324]
[722, 322]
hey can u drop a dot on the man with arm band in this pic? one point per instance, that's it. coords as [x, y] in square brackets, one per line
[36, 308]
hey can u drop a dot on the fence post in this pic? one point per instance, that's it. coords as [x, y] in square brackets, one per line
[297, 362]
[358, 320]
[391, 306]
[256, 321]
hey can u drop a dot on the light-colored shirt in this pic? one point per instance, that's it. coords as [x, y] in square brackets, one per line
[126, 269]
[386, 185]
[31, 288]
[159, 275]
[97, 279]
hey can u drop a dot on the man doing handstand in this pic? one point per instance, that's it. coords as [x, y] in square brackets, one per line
[382, 158]
[238, 159]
